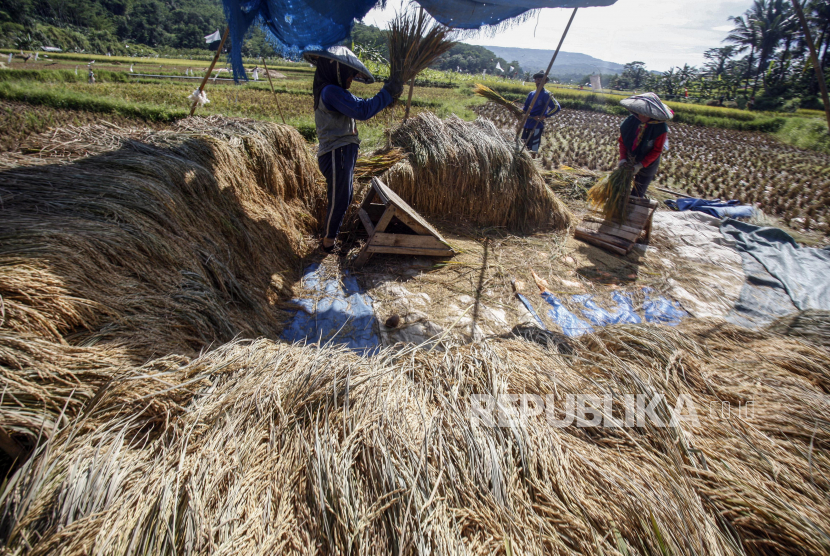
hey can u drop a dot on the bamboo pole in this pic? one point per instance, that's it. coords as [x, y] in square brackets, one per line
[210, 70]
[542, 84]
[268, 73]
[814, 56]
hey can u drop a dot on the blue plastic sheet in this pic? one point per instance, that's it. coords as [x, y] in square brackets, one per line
[662, 310]
[532, 311]
[340, 314]
[716, 208]
[572, 326]
[297, 25]
[623, 314]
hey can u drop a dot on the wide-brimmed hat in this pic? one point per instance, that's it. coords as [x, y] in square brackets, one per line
[648, 104]
[344, 56]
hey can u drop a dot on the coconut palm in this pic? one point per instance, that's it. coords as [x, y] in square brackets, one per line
[745, 36]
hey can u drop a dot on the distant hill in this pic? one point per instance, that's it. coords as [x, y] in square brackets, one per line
[567, 63]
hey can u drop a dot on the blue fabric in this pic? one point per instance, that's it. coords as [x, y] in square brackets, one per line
[334, 313]
[624, 314]
[297, 25]
[337, 167]
[716, 208]
[546, 105]
[530, 308]
[340, 100]
[571, 325]
[662, 310]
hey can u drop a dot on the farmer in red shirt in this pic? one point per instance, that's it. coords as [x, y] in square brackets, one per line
[643, 137]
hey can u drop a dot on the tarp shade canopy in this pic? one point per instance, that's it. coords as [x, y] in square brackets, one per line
[297, 25]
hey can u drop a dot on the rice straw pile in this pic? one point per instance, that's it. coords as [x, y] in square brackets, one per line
[493, 96]
[415, 41]
[185, 239]
[472, 171]
[610, 195]
[266, 448]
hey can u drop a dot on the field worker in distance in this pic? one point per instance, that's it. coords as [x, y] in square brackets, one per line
[335, 112]
[545, 107]
[644, 137]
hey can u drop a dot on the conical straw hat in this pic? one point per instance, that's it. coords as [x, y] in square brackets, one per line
[344, 56]
[648, 104]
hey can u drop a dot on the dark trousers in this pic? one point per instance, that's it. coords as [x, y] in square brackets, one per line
[535, 137]
[643, 179]
[338, 168]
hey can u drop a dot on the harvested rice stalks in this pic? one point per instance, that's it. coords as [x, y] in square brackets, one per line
[377, 163]
[493, 96]
[471, 171]
[610, 194]
[415, 41]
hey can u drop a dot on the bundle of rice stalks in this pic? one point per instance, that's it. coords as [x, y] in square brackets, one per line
[187, 238]
[611, 193]
[377, 163]
[472, 171]
[260, 447]
[415, 42]
[493, 96]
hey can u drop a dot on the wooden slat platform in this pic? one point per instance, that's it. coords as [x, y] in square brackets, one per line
[414, 236]
[619, 237]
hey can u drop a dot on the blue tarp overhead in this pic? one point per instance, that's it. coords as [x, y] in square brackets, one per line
[297, 25]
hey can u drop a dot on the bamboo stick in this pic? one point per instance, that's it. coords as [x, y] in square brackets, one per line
[268, 73]
[210, 69]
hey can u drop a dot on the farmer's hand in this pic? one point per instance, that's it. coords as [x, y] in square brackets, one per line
[394, 87]
[637, 168]
[621, 163]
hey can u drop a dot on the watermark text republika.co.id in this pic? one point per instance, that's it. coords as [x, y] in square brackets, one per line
[591, 410]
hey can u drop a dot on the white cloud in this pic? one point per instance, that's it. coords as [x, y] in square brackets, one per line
[662, 34]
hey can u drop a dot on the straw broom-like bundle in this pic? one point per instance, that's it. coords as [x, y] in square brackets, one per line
[493, 96]
[611, 193]
[470, 170]
[415, 42]
[265, 447]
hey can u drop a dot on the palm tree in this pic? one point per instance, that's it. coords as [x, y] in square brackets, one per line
[745, 36]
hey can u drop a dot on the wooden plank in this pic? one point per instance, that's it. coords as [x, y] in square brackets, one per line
[624, 232]
[363, 256]
[386, 218]
[369, 197]
[375, 211]
[367, 222]
[590, 238]
[621, 243]
[393, 198]
[412, 223]
[394, 250]
[642, 202]
[407, 240]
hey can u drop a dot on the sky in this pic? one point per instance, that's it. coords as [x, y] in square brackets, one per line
[661, 33]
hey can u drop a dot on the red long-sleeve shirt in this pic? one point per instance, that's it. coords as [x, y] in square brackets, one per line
[652, 155]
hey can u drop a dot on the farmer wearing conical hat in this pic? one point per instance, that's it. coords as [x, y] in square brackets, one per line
[545, 107]
[335, 112]
[643, 137]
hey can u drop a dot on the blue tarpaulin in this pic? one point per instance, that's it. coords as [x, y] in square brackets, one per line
[334, 312]
[656, 309]
[297, 25]
[716, 207]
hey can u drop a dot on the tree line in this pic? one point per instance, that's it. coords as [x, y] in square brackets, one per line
[764, 64]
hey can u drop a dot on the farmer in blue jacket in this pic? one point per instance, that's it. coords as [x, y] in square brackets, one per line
[335, 112]
[545, 107]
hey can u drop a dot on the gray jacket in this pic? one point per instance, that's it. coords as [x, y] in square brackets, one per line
[334, 129]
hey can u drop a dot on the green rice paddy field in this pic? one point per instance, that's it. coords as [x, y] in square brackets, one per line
[716, 152]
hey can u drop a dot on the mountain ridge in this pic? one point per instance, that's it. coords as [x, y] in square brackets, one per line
[567, 63]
